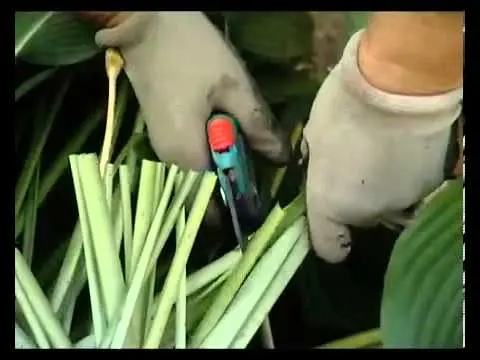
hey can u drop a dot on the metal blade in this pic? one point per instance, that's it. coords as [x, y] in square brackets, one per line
[233, 212]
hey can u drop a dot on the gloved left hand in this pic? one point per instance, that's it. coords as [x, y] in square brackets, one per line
[182, 69]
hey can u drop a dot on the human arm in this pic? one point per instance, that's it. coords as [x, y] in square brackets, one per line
[413, 53]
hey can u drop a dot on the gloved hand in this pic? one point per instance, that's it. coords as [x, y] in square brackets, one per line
[370, 153]
[181, 69]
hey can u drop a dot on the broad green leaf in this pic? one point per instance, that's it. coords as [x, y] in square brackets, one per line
[423, 294]
[27, 25]
[276, 35]
[53, 38]
[181, 301]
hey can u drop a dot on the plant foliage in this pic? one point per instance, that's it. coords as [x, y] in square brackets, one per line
[423, 296]
[130, 274]
[52, 38]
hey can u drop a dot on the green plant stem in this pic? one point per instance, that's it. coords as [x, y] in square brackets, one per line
[30, 316]
[272, 293]
[144, 214]
[55, 171]
[128, 151]
[108, 179]
[105, 250]
[66, 313]
[72, 261]
[127, 218]
[210, 272]
[31, 211]
[39, 302]
[35, 152]
[213, 286]
[253, 288]
[212, 275]
[99, 320]
[181, 303]
[22, 340]
[158, 192]
[180, 259]
[156, 237]
[361, 340]
[267, 335]
[32, 82]
[256, 246]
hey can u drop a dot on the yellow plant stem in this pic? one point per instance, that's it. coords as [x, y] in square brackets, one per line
[114, 64]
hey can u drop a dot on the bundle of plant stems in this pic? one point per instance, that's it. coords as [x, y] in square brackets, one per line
[115, 251]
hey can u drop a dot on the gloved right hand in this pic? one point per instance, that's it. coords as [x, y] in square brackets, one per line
[372, 154]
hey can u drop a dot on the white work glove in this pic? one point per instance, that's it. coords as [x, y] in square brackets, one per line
[181, 69]
[370, 153]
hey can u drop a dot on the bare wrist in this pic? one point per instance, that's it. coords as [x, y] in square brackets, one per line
[413, 53]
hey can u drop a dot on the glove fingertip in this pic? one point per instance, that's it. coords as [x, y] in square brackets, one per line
[330, 241]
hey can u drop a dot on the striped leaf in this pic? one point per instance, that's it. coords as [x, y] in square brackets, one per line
[53, 38]
[423, 295]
